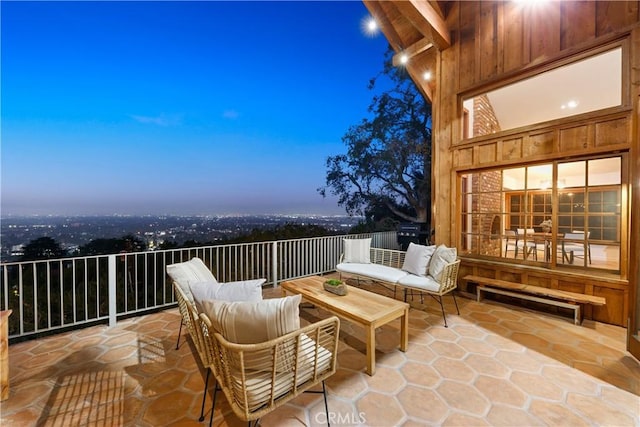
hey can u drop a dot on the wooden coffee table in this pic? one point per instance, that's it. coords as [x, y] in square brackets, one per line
[359, 306]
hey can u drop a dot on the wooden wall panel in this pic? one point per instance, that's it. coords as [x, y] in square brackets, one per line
[614, 15]
[578, 23]
[614, 311]
[486, 153]
[464, 157]
[488, 38]
[545, 31]
[467, 44]
[512, 149]
[540, 144]
[612, 132]
[575, 138]
[515, 47]
[571, 286]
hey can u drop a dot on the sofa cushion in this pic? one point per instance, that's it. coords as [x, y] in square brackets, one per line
[357, 250]
[427, 283]
[441, 257]
[245, 290]
[192, 271]
[416, 260]
[374, 271]
[251, 322]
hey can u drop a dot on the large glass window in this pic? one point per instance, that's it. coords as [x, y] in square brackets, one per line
[590, 84]
[560, 213]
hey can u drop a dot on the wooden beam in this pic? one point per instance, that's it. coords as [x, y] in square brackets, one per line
[420, 83]
[382, 19]
[411, 51]
[428, 21]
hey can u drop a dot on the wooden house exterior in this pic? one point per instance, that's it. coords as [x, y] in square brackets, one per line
[462, 54]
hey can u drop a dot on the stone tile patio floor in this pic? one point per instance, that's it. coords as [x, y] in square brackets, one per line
[495, 365]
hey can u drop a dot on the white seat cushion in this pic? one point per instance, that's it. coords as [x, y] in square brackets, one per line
[375, 271]
[427, 283]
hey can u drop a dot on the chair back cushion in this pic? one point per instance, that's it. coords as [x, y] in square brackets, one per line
[416, 261]
[441, 257]
[245, 290]
[357, 250]
[185, 273]
[252, 322]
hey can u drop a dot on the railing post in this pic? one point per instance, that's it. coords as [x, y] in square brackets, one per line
[274, 263]
[112, 290]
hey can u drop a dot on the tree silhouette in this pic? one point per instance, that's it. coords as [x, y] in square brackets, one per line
[388, 159]
[128, 243]
[42, 248]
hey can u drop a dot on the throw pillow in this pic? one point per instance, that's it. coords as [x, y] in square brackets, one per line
[249, 322]
[416, 260]
[357, 250]
[185, 273]
[441, 257]
[246, 290]
[190, 272]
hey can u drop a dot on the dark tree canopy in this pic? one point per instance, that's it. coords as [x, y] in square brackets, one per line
[388, 158]
[128, 243]
[43, 248]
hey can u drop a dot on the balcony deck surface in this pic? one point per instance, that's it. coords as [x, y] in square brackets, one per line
[495, 365]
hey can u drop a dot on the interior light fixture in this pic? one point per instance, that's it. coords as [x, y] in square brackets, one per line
[427, 75]
[571, 104]
[404, 58]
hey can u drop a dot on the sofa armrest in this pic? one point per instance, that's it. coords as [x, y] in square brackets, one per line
[449, 277]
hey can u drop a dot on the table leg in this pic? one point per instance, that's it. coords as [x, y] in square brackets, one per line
[404, 330]
[371, 350]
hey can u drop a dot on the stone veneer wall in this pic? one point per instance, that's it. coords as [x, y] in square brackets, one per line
[485, 121]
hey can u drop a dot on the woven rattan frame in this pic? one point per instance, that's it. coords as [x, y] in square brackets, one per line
[258, 378]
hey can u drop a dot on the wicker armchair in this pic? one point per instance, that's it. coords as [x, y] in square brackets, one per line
[190, 314]
[258, 378]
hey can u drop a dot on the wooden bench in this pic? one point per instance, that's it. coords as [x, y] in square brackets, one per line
[556, 297]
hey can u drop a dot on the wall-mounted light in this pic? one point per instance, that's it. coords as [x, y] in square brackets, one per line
[369, 26]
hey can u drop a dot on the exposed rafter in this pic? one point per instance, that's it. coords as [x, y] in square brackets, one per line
[411, 51]
[427, 20]
[380, 15]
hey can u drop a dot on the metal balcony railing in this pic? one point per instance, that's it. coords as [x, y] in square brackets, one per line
[54, 295]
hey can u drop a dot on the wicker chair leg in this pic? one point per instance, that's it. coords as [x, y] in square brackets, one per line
[444, 315]
[326, 406]
[213, 405]
[204, 395]
[456, 302]
[179, 333]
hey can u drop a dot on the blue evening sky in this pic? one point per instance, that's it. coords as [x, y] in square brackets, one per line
[179, 107]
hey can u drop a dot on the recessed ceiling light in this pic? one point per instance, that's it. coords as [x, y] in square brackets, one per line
[570, 104]
[427, 75]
